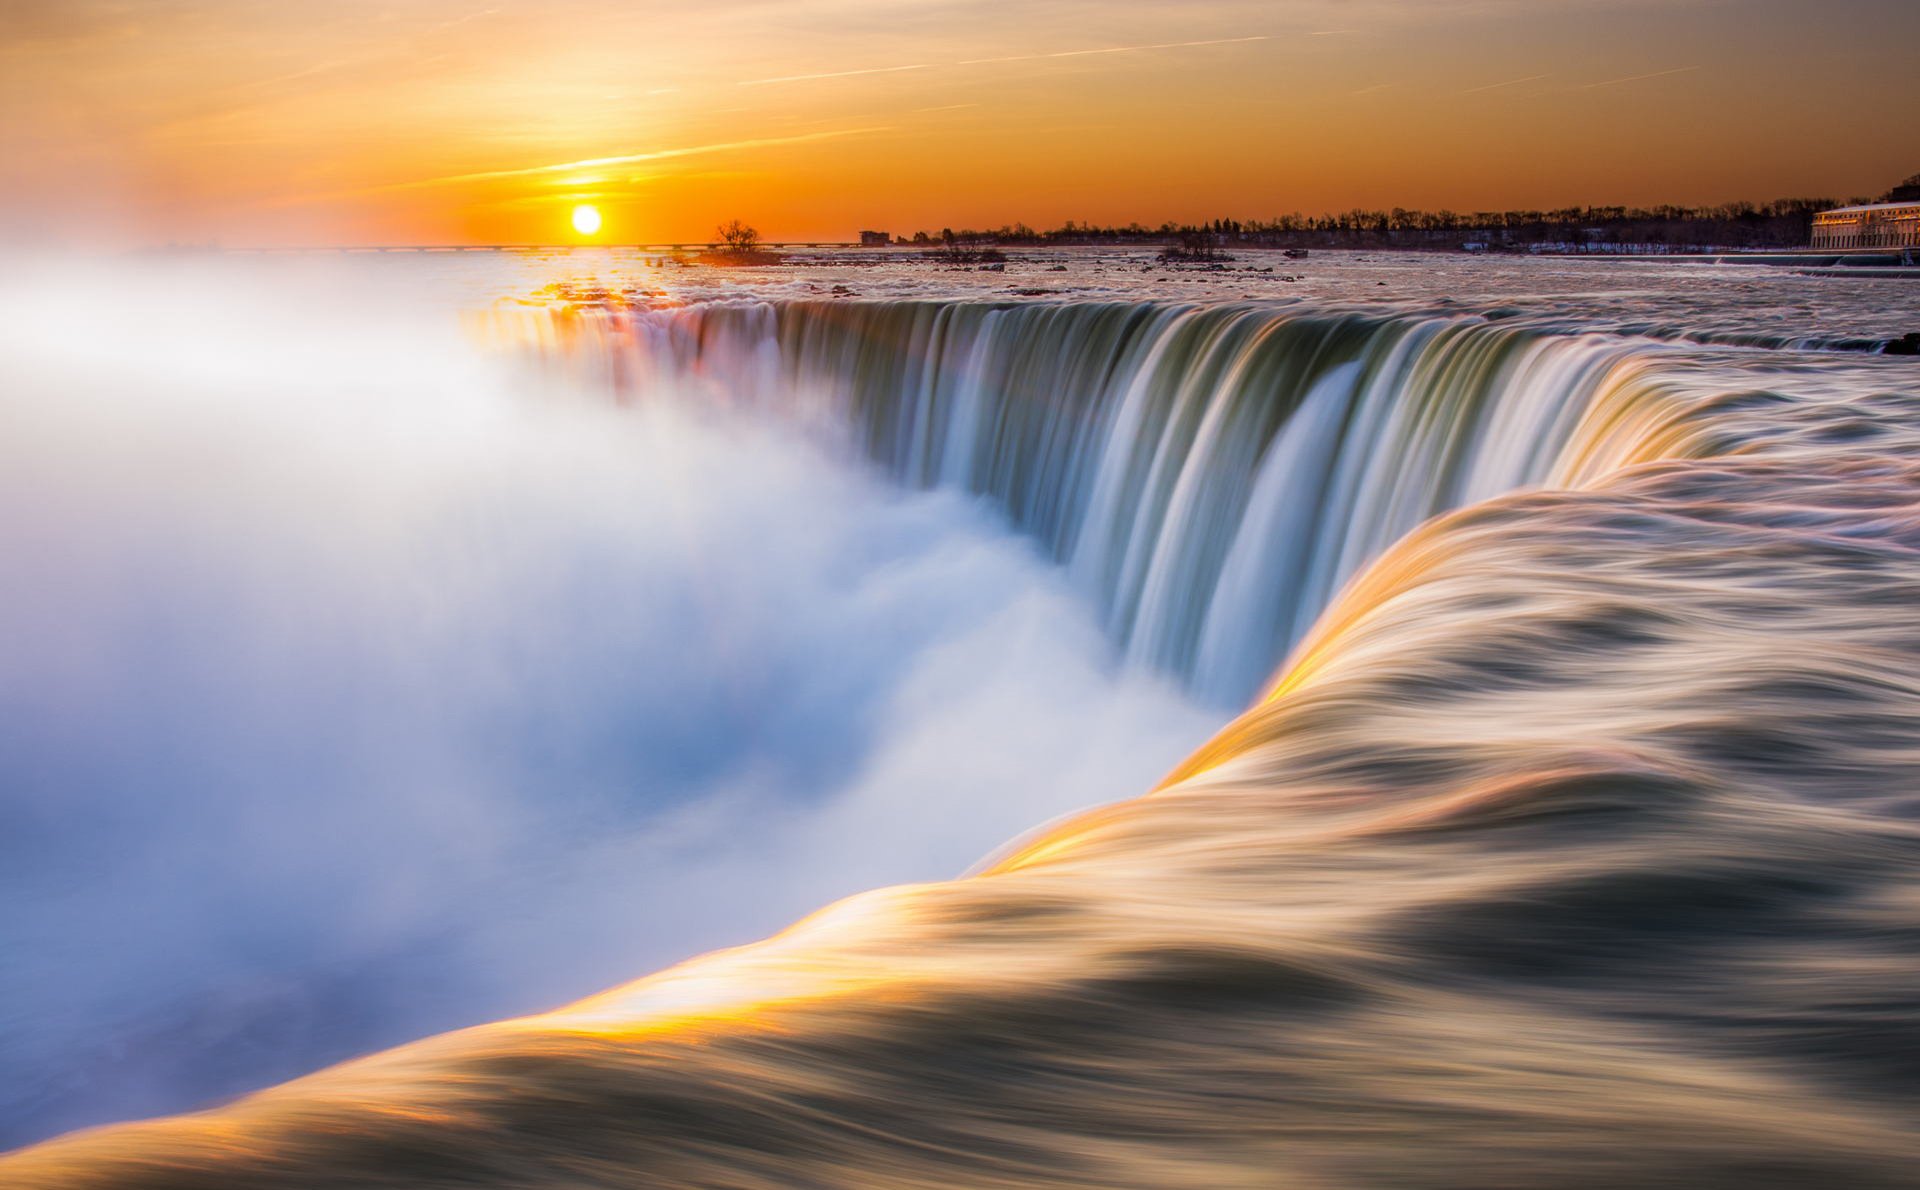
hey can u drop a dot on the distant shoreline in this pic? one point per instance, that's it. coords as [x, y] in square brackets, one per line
[797, 252]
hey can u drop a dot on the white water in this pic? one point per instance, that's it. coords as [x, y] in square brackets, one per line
[355, 689]
[371, 687]
[1209, 476]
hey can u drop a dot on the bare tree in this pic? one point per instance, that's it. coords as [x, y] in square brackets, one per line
[738, 237]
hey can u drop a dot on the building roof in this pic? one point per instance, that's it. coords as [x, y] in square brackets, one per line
[1871, 206]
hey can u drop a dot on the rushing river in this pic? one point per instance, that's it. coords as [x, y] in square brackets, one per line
[1566, 833]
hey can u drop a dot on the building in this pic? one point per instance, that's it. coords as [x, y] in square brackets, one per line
[1876, 225]
[875, 239]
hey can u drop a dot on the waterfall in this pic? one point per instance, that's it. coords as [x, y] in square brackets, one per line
[1574, 844]
[1209, 475]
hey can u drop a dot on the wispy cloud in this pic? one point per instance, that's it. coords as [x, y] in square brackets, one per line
[834, 74]
[1634, 78]
[1118, 49]
[591, 163]
[1532, 78]
[1086, 53]
[456, 22]
[293, 76]
[379, 54]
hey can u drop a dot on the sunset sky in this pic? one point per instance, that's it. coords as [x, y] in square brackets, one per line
[450, 121]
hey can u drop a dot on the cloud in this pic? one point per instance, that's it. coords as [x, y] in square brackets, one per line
[598, 162]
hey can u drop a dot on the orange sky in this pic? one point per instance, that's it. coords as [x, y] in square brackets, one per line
[448, 121]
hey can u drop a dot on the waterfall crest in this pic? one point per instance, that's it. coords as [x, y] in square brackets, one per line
[1209, 475]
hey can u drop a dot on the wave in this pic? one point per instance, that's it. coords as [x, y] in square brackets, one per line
[1575, 842]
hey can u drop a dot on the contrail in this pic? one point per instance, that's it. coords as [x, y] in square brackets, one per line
[1634, 78]
[833, 74]
[595, 162]
[1532, 78]
[1119, 49]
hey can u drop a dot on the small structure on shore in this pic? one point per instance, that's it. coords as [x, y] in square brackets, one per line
[875, 239]
[1873, 225]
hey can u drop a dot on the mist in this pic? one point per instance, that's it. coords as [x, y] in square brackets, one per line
[359, 686]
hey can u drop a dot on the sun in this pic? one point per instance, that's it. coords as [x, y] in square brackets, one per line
[586, 219]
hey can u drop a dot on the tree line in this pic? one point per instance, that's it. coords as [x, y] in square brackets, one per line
[1782, 223]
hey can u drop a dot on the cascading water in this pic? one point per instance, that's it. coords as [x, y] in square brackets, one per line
[1572, 846]
[1209, 475]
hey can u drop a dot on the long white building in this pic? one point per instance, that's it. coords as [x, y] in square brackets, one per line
[1875, 225]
